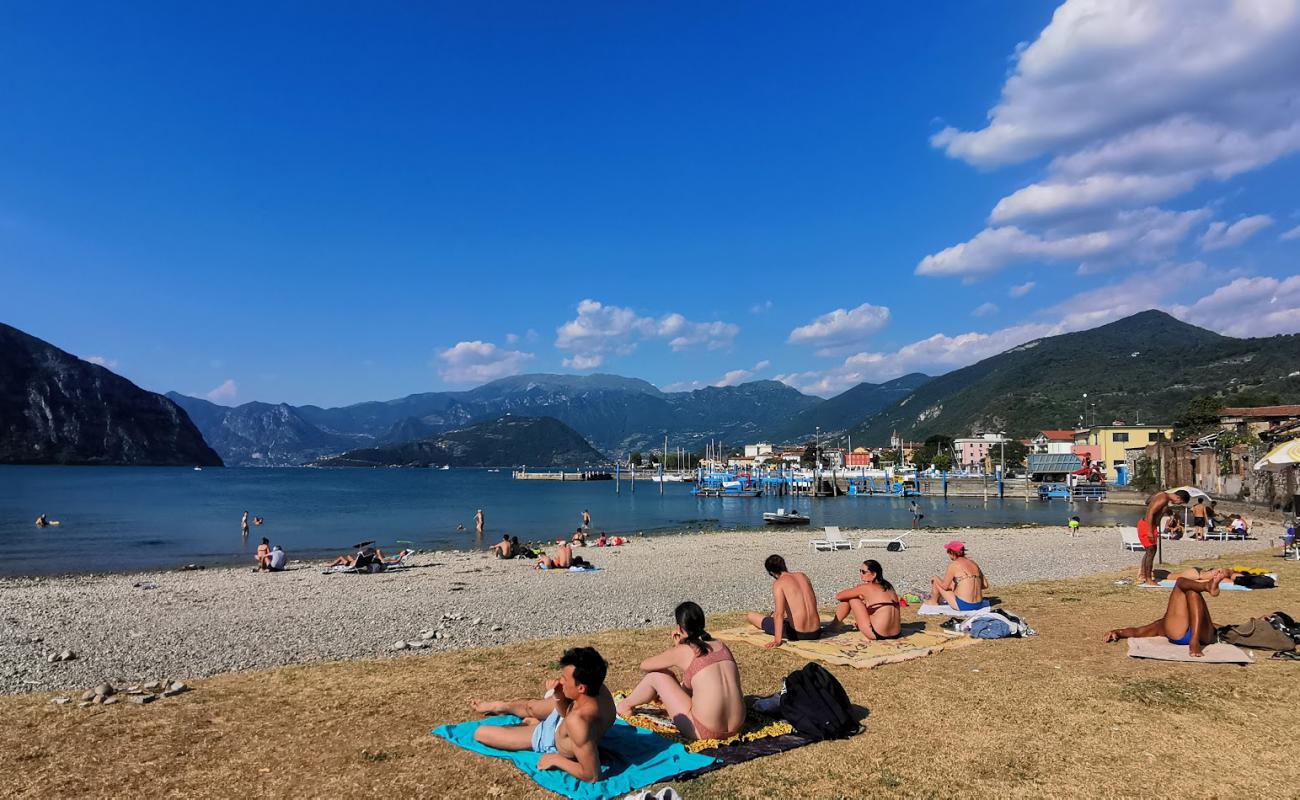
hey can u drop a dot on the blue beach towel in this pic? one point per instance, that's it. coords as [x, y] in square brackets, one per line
[630, 759]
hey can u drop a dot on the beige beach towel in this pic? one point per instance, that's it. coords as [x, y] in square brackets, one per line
[850, 649]
[1161, 649]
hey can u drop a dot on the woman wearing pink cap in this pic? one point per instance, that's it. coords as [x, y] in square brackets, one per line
[962, 586]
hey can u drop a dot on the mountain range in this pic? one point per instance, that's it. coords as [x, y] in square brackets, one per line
[58, 409]
[508, 441]
[1141, 368]
[615, 414]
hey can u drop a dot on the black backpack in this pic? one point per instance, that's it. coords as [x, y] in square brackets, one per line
[817, 705]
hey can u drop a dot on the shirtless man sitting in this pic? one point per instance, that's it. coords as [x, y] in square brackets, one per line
[566, 728]
[563, 558]
[1187, 618]
[963, 584]
[503, 548]
[795, 614]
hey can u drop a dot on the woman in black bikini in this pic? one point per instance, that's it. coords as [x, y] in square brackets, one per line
[873, 604]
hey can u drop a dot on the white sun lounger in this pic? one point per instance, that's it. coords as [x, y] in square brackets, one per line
[1128, 537]
[834, 540]
[886, 542]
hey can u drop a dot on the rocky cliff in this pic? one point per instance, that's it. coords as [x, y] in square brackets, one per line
[57, 409]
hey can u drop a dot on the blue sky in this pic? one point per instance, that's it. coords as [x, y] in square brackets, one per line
[320, 203]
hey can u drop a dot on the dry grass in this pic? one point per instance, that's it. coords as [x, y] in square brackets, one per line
[1059, 714]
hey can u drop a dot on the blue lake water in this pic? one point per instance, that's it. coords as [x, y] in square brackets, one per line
[119, 518]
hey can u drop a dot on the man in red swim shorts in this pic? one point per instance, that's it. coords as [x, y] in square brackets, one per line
[1149, 530]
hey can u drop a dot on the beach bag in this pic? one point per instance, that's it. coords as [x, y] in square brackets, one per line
[894, 547]
[990, 626]
[816, 704]
[1258, 633]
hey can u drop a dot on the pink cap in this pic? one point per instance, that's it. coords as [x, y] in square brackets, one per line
[955, 546]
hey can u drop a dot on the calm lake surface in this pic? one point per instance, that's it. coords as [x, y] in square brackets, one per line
[121, 518]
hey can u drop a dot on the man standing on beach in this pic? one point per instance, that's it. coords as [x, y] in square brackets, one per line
[1149, 531]
[795, 614]
[1198, 519]
[478, 522]
[243, 524]
[916, 514]
[566, 726]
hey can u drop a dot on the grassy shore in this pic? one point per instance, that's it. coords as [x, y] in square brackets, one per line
[1059, 714]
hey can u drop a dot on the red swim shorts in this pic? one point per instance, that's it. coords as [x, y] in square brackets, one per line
[1144, 534]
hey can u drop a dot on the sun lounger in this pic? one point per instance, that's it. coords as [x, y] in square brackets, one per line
[1128, 537]
[834, 541]
[886, 542]
[1225, 533]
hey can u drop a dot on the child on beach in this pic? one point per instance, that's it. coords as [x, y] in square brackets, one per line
[1074, 527]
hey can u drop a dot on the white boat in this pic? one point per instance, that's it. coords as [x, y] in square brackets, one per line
[198, 469]
[446, 466]
[783, 517]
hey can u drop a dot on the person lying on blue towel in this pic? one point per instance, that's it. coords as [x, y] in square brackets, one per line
[566, 727]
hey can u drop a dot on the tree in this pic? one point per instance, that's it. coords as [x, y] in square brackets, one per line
[809, 457]
[929, 450]
[1015, 454]
[1199, 417]
[1144, 477]
[943, 462]
[636, 458]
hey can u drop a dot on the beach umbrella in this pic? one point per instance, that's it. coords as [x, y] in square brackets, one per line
[1279, 458]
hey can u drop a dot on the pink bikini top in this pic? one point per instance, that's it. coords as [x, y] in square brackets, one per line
[700, 662]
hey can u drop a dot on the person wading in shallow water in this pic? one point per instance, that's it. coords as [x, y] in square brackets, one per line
[243, 525]
[478, 522]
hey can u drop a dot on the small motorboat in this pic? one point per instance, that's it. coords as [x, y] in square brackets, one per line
[783, 517]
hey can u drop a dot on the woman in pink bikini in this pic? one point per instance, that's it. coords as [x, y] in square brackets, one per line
[708, 702]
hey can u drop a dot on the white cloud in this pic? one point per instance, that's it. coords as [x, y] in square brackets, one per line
[225, 394]
[1248, 307]
[985, 309]
[1134, 103]
[1294, 233]
[1057, 198]
[941, 352]
[107, 363]
[1022, 289]
[731, 378]
[600, 330]
[581, 362]
[512, 338]
[1101, 69]
[479, 362]
[841, 327]
[761, 308]
[1146, 235]
[1221, 235]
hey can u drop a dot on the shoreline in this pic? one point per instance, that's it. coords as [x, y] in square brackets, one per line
[145, 625]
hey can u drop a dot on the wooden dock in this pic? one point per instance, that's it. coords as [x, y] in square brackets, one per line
[525, 475]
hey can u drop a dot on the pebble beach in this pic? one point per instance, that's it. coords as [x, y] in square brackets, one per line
[136, 627]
